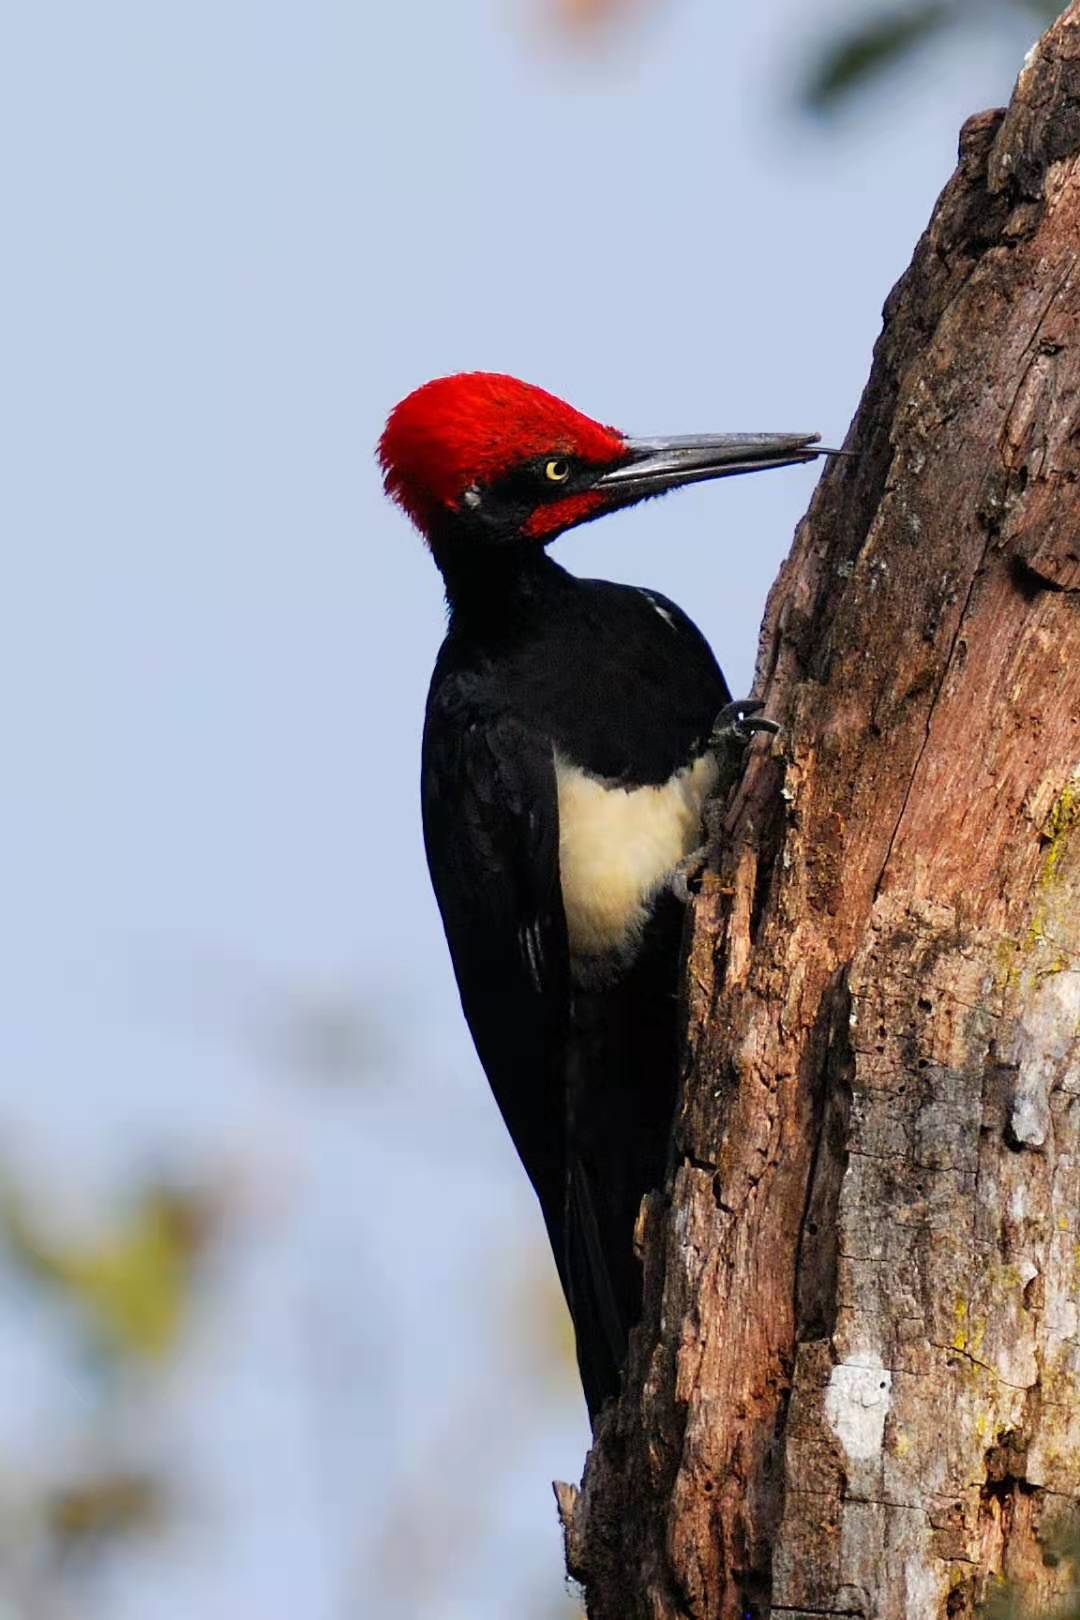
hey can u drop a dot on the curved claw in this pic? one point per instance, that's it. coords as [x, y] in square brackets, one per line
[688, 872]
[741, 719]
[739, 709]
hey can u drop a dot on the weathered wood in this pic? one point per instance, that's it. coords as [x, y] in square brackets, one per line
[856, 1387]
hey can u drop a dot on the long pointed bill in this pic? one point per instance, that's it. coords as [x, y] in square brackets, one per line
[659, 464]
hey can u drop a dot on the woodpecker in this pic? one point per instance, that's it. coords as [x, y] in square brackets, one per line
[571, 740]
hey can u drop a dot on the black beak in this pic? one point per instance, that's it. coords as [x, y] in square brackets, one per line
[654, 465]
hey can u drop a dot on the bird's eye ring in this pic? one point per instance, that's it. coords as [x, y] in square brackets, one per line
[557, 471]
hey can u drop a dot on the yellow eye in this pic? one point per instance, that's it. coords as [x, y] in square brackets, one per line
[557, 472]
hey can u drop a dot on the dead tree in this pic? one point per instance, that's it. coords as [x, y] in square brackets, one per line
[856, 1387]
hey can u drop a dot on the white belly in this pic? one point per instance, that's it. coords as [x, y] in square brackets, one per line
[616, 848]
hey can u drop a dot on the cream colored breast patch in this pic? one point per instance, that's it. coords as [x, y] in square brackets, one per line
[618, 845]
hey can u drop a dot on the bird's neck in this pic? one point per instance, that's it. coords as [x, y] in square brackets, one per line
[493, 588]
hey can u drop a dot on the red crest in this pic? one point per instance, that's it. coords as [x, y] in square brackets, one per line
[470, 428]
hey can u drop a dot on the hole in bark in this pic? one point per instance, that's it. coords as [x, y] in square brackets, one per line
[1028, 581]
[924, 1063]
[1011, 1140]
[763, 873]
[1000, 1490]
[925, 1004]
[1005, 1464]
[718, 1195]
[755, 1593]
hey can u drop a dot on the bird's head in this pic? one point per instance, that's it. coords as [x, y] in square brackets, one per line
[483, 457]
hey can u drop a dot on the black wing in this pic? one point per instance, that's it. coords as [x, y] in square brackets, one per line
[491, 831]
[585, 1081]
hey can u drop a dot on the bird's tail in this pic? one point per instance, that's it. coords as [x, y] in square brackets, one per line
[603, 1312]
[621, 1084]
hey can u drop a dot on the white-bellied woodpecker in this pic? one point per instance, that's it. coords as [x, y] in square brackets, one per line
[569, 747]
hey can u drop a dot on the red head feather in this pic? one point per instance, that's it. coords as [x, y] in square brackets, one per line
[468, 429]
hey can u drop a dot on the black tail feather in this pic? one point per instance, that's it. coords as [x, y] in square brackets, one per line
[622, 1073]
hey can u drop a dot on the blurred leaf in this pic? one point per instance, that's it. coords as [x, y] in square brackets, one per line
[874, 43]
[325, 1033]
[110, 1505]
[134, 1286]
[1046, 9]
[330, 1041]
[538, 1321]
[589, 13]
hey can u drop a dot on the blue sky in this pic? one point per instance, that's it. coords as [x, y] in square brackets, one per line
[235, 235]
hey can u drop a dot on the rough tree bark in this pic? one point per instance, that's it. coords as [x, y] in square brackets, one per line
[856, 1387]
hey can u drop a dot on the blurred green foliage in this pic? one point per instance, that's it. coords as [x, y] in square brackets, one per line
[854, 57]
[127, 1287]
[132, 1285]
[109, 1505]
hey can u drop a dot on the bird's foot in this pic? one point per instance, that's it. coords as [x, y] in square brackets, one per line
[733, 730]
[739, 721]
[688, 872]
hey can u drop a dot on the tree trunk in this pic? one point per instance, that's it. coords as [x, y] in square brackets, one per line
[856, 1387]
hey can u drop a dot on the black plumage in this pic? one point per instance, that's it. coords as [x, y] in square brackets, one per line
[620, 683]
[566, 761]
